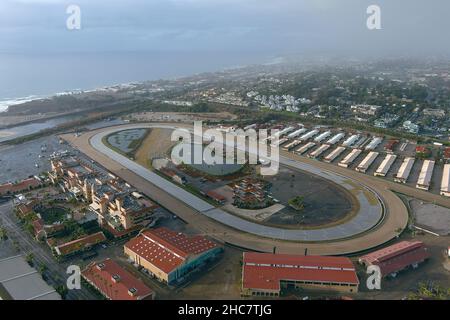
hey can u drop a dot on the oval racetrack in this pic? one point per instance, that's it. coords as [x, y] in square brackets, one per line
[373, 225]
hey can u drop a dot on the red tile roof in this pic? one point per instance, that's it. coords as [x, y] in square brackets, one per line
[391, 145]
[80, 244]
[216, 196]
[398, 256]
[422, 149]
[447, 153]
[167, 249]
[265, 270]
[114, 282]
[18, 187]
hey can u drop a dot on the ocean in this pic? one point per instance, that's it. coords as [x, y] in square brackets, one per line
[24, 77]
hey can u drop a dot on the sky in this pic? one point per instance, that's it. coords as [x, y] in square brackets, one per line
[272, 27]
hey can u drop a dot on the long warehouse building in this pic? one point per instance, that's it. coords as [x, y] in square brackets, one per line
[374, 143]
[319, 151]
[291, 145]
[350, 158]
[283, 132]
[309, 135]
[397, 257]
[351, 140]
[385, 166]
[367, 162]
[405, 170]
[322, 136]
[425, 176]
[305, 148]
[334, 154]
[266, 274]
[336, 139]
[296, 133]
[445, 185]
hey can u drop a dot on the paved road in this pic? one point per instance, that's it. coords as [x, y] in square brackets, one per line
[41, 255]
[396, 213]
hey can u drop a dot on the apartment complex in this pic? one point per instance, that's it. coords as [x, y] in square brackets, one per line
[118, 206]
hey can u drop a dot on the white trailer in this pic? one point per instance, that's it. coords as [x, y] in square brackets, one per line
[405, 170]
[305, 148]
[367, 162]
[319, 151]
[425, 176]
[385, 166]
[350, 158]
[445, 185]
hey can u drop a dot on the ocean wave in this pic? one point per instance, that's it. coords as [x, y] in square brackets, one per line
[5, 104]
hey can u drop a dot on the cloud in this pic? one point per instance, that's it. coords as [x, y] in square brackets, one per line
[258, 25]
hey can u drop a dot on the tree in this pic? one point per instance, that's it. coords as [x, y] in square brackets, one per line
[62, 290]
[42, 268]
[3, 234]
[297, 203]
[29, 258]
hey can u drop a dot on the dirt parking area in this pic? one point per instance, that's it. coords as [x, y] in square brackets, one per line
[431, 216]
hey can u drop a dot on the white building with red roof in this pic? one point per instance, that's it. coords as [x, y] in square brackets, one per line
[169, 255]
[266, 274]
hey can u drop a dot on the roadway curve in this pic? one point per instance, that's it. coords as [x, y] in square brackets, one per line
[204, 217]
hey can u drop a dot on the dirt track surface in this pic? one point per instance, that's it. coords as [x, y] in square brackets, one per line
[396, 212]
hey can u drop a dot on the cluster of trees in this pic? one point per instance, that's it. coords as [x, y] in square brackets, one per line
[298, 203]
